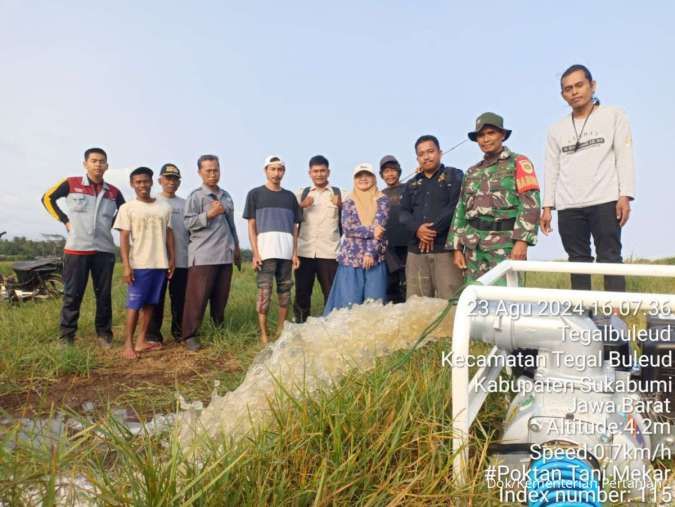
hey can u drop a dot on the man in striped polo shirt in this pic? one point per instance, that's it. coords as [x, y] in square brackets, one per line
[92, 205]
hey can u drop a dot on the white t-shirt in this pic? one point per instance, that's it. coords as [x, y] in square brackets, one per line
[147, 223]
[599, 171]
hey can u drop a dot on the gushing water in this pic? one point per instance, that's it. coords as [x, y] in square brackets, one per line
[311, 356]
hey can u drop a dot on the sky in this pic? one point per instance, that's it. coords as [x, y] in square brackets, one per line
[156, 82]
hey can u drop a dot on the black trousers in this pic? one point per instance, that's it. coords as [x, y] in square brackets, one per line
[395, 258]
[205, 284]
[577, 225]
[324, 270]
[76, 270]
[177, 286]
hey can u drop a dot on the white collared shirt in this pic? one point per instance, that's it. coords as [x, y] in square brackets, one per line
[319, 231]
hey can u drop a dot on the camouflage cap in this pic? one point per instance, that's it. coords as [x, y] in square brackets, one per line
[492, 120]
[169, 170]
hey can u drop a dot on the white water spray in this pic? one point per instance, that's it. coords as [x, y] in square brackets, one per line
[311, 356]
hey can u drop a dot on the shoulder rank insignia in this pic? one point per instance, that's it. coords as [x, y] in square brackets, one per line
[526, 180]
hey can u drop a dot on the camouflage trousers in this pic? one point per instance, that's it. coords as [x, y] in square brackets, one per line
[479, 262]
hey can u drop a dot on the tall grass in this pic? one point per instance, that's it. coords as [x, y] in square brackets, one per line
[381, 438]
[33, 357]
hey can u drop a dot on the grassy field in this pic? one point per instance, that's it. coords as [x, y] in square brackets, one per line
[38, 374]
[380, 438]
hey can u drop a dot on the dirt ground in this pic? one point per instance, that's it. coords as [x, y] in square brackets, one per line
[148, 383]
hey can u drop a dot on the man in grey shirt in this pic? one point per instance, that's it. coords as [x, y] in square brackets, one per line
[589, 177]
[169, 179]
[213, 247]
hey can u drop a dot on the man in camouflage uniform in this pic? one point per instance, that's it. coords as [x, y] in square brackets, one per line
[497, 214]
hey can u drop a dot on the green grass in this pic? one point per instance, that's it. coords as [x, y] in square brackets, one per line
[33, 358]
[378, 439]
[381, 438]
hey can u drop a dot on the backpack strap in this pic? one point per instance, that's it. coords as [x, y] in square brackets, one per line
[303, 196]
[338, 192]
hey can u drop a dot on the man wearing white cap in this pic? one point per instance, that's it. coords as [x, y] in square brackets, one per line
[273, 215]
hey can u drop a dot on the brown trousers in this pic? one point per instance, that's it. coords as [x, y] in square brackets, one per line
[432, 275]
[206, 284]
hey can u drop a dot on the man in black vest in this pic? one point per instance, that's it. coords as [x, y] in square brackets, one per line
[427, 208]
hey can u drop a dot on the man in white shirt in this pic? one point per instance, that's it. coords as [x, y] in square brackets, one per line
[319, 236]
[589, 177]
[147, 251]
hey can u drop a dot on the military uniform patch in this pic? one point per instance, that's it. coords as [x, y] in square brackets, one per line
[498, 188]
[526, 180]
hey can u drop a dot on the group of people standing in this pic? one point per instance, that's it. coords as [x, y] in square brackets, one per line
[426, 237]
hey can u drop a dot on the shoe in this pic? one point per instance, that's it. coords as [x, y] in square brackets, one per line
[155, 339]
[67, 340]
[193, 344]
[105, 341]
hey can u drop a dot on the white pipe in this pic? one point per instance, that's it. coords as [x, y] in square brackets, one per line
[462, 324]
[488, 373]
[495, 273]
[460, 380]
[586, 298]
[592, 268]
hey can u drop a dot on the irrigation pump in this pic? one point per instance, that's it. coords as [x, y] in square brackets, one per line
[592, 381]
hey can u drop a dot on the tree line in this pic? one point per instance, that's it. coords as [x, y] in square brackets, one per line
[22, 248]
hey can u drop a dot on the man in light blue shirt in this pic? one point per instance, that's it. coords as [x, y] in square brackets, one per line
[170, 179]
[213, 247]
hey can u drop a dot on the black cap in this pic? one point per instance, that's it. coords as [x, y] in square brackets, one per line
[169, 170]
[389, 160]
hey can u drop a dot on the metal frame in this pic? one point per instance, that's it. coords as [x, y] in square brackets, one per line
[464, 407]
